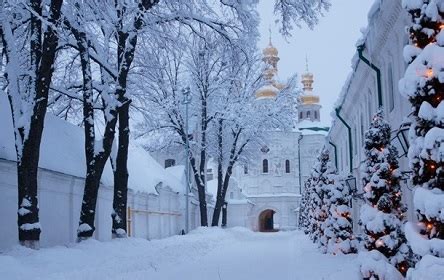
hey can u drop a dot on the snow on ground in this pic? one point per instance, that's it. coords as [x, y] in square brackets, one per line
[232, 254]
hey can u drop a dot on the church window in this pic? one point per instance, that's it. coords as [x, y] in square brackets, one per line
[301, 115]
[287, 166]
[245, 169]
[265, 166]
[308, 114]
[316, 115]
[169, 162]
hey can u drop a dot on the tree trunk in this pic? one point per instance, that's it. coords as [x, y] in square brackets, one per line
[121, 176]
[224, 182]
[29, 154]
[219, 198]
[224, 215]
[28, 211]
[201, 193]
[127, 43]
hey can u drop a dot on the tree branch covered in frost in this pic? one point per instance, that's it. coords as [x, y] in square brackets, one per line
[293, 13]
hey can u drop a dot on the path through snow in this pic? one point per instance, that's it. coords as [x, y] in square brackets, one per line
[233, 254]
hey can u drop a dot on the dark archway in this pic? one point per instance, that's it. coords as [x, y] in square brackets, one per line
[266, 221]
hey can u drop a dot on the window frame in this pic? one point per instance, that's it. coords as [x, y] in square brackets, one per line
[287, 166]
[265, 166]
[169, 162]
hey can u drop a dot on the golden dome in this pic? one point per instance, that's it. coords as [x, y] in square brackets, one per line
[307, 76]
[279, 86]
[310, 99]
[267, 92]
[270, 50]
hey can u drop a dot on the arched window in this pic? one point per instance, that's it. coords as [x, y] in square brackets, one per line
[265, 166]
[308, 114]
[169, 162]
[316, 115]
[245, 169]
[287, 166]
[301, 115]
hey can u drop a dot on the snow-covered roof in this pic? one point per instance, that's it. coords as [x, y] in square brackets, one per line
[145, 172]
[212, 186]
[178, 172]
[62, 151]
[239, 201]
[373, 12]
[307, 127]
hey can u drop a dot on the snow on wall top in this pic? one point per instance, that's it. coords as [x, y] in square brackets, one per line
[307, 127]
[373, 12]
[178, 172]
[62, 151]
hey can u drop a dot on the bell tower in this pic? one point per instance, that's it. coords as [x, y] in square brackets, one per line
[308, 103]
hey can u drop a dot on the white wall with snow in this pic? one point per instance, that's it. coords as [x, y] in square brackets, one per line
[60, 197]
[155, 195]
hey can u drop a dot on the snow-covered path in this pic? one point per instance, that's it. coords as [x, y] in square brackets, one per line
[234, 254]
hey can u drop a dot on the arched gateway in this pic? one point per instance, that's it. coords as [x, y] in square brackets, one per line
[266, 221]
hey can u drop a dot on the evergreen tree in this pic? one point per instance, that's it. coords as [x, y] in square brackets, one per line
[304, 213]
[322, 177]
[383, 212]
[339, 224]
[423, 85]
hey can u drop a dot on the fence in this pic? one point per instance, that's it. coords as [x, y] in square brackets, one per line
[151, 216]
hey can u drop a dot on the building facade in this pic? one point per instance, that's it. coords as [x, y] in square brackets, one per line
[267, 192]
[264, 195]
[381, 50]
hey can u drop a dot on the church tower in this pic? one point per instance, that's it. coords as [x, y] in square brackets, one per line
[271, 88]
[309, 103]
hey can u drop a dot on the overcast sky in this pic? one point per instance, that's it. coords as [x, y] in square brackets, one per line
[329, 47]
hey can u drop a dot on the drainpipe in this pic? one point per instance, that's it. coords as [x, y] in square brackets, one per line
[376, 69]
[336, 153]
[350, 140]
[299, 162]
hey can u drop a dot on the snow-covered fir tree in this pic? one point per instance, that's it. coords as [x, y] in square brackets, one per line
[423, 85]
[339, 226]
[304, 220]
[322, 177]
[383, 213]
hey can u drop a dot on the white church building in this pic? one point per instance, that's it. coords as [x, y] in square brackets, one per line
[265, 195]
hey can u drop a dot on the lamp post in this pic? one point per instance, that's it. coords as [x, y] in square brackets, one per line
[401, 140]
[186, 101]
[351, 184]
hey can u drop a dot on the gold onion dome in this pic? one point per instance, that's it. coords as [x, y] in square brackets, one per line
[268, 91]
[270, 50]
[308, 97]
[271, 89]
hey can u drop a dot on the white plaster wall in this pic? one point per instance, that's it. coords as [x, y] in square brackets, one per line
[60, 198]
[384, 47]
